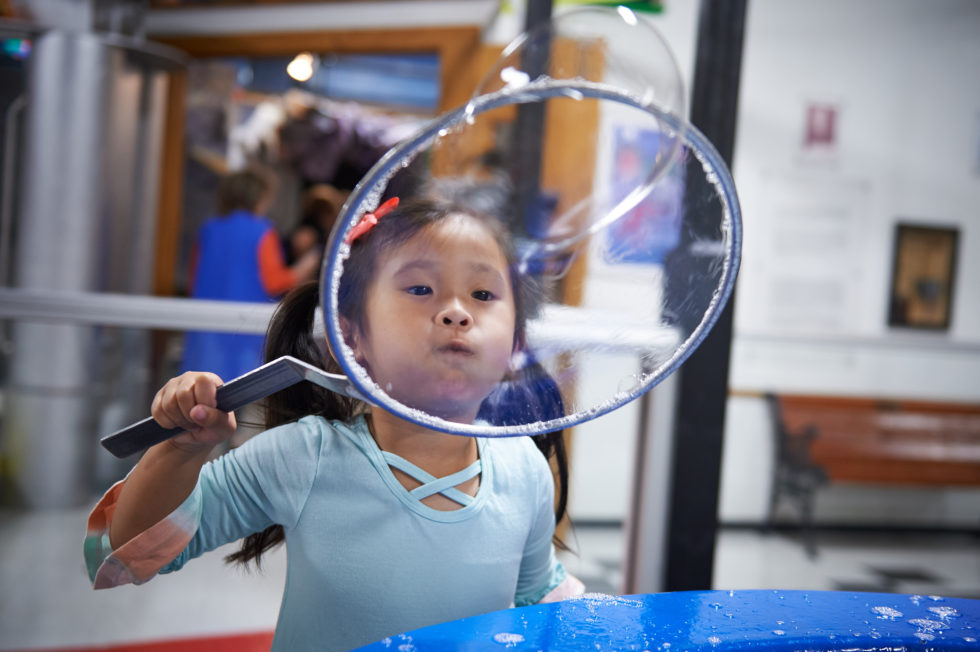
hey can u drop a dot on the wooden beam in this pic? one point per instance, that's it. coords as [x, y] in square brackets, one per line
[169, 204]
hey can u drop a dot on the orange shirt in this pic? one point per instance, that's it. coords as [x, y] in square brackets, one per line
[276, 277]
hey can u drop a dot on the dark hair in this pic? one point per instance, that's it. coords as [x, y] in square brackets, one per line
[241, 191]
[321, 204]
[409, 218]
[529, 395]
[533, 395]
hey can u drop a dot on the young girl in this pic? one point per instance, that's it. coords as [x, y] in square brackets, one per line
[389, 526]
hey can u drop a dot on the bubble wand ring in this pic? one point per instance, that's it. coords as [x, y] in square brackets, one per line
[374, 183]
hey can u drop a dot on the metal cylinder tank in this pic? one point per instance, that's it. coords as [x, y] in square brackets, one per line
[87, 223]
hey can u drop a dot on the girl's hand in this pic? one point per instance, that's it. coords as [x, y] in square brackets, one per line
[308, 265]
[188, 401]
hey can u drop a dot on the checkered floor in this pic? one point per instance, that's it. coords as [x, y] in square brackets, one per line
[912, 564]
[944, 565]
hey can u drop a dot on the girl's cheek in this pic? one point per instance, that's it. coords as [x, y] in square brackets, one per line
[502, 362]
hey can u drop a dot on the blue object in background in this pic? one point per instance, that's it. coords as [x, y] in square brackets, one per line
[406, 81]
[17, 49]
[652, 229]
[719, 621]
[409, 81]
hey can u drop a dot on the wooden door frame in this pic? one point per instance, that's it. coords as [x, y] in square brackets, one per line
[456, 48]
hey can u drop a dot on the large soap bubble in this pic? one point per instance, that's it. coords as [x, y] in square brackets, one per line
[614, 223]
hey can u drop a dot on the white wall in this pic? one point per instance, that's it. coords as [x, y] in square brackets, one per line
[904, 76]
[812, 297]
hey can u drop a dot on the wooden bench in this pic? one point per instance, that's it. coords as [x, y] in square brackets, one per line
[829, 439]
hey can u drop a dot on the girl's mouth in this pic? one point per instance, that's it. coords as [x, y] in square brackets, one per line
[457, 348]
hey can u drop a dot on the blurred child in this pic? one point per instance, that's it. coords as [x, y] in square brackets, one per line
[321, 205]
[238, 256]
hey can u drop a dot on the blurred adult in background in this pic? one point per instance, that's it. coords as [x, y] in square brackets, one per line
[238, 256]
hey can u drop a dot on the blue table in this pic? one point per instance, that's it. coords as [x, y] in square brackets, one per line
[713, 620]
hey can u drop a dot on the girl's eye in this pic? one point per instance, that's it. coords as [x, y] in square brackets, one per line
[419, 290]
[483, 295]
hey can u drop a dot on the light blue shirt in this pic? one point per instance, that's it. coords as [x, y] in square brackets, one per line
[366, 558]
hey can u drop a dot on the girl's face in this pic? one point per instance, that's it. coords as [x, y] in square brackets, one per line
[439, 319]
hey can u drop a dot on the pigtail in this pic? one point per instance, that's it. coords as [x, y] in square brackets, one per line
[552, 446]
[530, 395]
[291, 333]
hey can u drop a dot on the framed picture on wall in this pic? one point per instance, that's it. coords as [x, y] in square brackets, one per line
[923, 271]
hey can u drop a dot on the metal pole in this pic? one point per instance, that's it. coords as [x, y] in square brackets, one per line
[86, 224]
[703, 380]
[528, 135]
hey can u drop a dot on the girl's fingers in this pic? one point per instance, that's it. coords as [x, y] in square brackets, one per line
[162, 406]
[206, 389]
[173, 409]
[189, 402]
[172, 405]
[185, 396]
[215, 421]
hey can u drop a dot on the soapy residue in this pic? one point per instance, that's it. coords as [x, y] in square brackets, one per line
[598, 599]
[944, 613]
[507, 639]
[887, 613]
[930, 625]
[927, 629]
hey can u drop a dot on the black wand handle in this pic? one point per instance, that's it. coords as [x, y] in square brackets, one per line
[258, 383]
[138, 436]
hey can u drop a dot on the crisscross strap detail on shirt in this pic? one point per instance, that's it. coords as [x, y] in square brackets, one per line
[432, 485]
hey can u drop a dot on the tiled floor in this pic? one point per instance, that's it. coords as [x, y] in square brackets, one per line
[596, 558]
[896, 563]
[46, 601]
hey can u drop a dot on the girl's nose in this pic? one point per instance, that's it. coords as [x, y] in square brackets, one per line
[454, 315]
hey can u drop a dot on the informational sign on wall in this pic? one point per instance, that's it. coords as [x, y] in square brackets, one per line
[808, 272]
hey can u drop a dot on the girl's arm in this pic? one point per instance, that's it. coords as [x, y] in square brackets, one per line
[168, 472]
[542, 577]
[570, 587]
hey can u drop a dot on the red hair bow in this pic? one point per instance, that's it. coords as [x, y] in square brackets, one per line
[370, 219]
